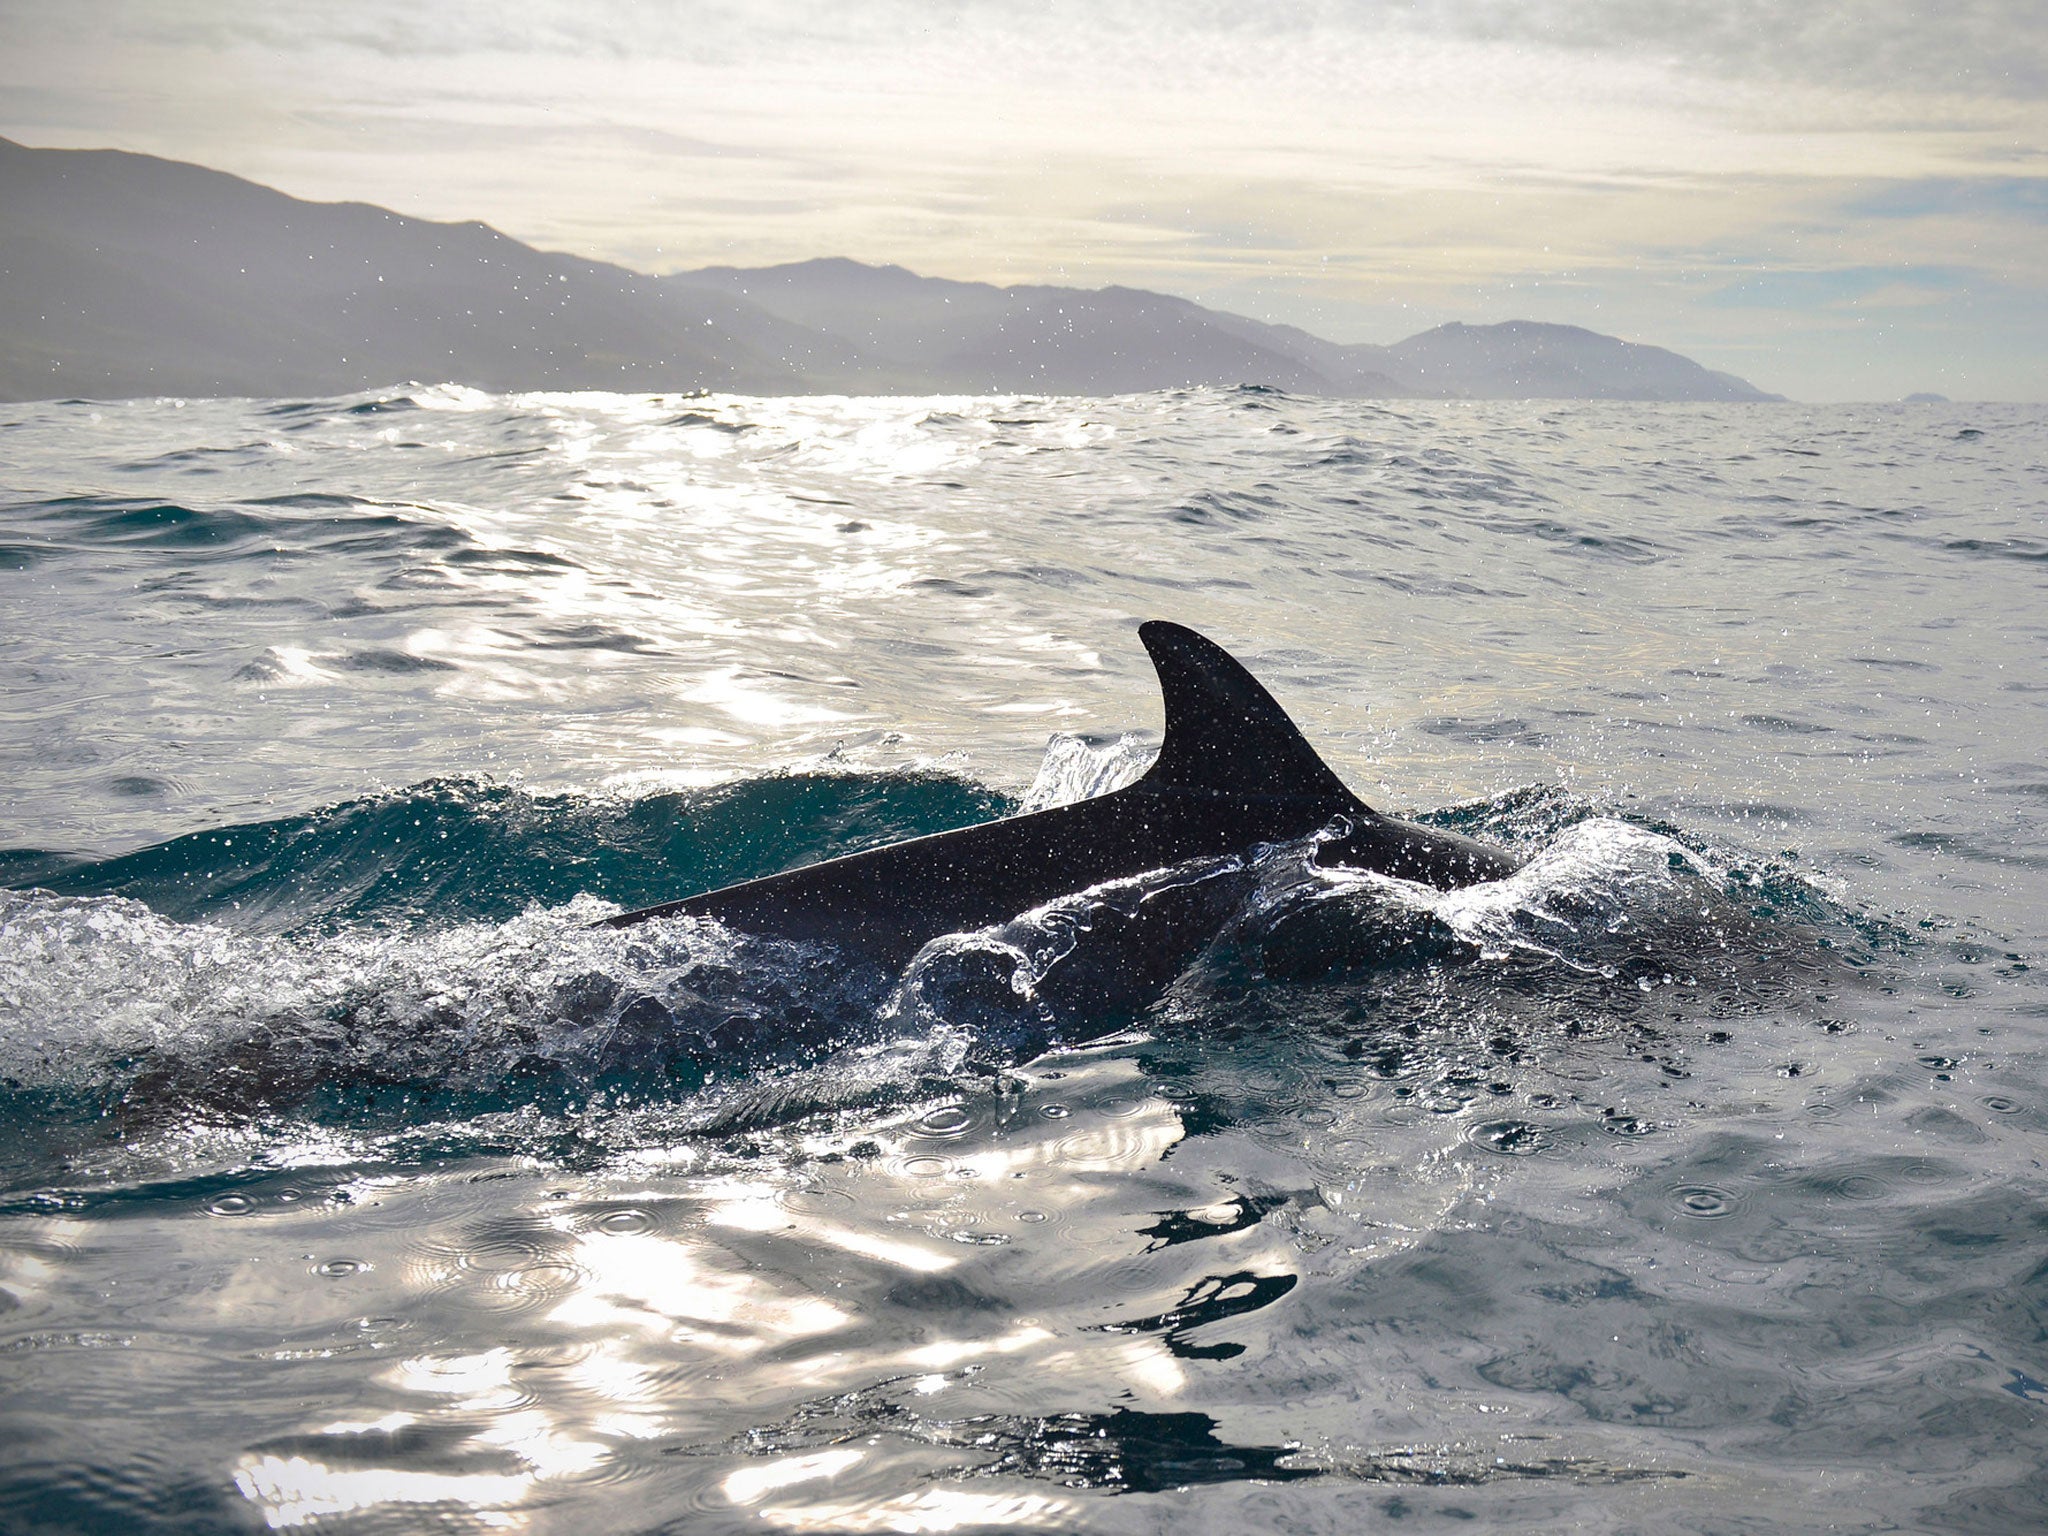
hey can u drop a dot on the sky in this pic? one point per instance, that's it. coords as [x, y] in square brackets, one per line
[1835, 201]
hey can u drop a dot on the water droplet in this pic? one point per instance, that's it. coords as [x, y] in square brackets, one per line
[1510, 1138]
[1625, 1125]
[625, 1223]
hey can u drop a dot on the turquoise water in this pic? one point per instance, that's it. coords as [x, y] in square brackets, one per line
[1688, 1180]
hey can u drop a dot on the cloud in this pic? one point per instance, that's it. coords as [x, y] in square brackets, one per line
[1981, 47]
[1978, 47]
[1834, 287]
[2023, 198]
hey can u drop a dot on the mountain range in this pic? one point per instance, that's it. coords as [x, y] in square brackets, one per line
[124, 274]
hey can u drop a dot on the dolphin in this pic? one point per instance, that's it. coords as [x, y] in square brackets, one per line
[1232, 772]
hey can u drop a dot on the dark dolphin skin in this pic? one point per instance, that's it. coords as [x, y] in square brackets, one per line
[1233, 772]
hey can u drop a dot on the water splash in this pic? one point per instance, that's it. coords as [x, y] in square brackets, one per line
[1081, 768]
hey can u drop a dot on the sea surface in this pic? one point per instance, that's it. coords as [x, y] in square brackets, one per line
[1691, 1179]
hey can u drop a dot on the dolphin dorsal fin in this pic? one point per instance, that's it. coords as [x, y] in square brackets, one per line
[1224, 733]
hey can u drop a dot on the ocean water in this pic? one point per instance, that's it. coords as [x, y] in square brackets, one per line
[1689, 1180]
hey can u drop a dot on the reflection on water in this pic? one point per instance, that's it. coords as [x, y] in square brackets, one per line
[649, 1309]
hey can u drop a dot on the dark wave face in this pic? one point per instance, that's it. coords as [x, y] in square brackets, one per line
[454, 850]
[351, 1179]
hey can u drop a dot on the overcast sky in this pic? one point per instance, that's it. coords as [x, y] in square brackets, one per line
[1842, 201]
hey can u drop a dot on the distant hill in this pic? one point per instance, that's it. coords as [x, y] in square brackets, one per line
[933, 334]
[1525, 360]
[124, 274]
[974, 336]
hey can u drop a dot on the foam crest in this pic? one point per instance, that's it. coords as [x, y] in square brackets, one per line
[103, 992]
[1600, 902]
[1597, 878]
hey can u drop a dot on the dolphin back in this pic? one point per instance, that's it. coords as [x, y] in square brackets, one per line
[1233, 771]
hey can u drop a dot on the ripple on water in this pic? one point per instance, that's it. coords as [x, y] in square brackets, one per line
[945, 1121]
[1927, 1171]
[1859, 1187]
[816, 1200]
[1703, 1202]
[497, 1272]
